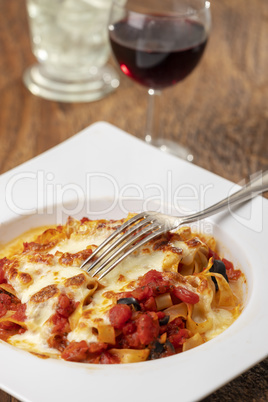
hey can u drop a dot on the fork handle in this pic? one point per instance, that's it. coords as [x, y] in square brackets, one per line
[254, 187]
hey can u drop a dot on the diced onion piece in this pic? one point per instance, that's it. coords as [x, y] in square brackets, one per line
[192, 342]
[106, 334]
[163, 338]
[130, 355]
[163, 301]
[177, 310]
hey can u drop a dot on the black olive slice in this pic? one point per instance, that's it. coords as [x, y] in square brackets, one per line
[157, 349]
[219, 268]
[169, 347]
[164, 320]
[130, 301]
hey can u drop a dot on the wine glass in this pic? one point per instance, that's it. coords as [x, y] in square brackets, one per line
[158, 43]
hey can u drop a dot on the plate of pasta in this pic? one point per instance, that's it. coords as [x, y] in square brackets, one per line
[185, 305]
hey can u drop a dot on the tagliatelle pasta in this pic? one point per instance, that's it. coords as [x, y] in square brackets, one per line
[169, 296]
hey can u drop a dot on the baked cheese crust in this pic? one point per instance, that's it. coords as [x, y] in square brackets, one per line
[165, 298]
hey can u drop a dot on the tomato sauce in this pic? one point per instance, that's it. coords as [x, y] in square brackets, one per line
[136, 328]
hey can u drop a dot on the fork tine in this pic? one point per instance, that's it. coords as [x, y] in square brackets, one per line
[114, 234]
[123, 256]
[132, 240]
[134, 228]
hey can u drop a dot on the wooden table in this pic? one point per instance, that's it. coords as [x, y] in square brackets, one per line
[220, 112]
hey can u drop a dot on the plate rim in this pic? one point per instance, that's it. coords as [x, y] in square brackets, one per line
[91, 135]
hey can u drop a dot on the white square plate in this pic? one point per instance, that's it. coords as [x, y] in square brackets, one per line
[104, 172]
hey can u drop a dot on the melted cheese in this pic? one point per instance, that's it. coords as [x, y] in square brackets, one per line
[131, 268]
[49, 278]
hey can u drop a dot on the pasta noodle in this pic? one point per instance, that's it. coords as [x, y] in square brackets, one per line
[165, 298]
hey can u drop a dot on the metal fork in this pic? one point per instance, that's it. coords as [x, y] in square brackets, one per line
[146, 226]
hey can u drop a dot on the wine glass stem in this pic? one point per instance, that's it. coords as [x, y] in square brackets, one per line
[153, 116]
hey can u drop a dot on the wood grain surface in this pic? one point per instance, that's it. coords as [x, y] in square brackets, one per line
[220, 112]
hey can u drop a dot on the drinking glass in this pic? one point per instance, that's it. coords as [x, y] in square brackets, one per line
[158, 43]
[70, 41]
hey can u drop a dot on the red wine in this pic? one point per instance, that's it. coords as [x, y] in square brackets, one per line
[157, 52]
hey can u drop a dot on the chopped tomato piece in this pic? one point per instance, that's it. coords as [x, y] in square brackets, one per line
[83, 220]
[2, 272]
[9, 301]
[119, 315]
[147, 329]
[142, 293]
[129, 328]
[160, 315]
[178, 339]
[5, 299]
[57, 341]
[65, 306]
[174, 326]
[213, 254]
[61, 324]
[76, 352]
[150, 304]
[97, 347]
[108, 358]
[20, 314]
[185, 295]
[131, 341]
[3, 310]
[155, 281]
[230, 271]
[151, 276]
[9, 326]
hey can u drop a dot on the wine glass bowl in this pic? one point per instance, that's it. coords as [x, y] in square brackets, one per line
[158, 44]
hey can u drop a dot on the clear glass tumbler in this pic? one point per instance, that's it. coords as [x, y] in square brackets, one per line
[69, 39]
